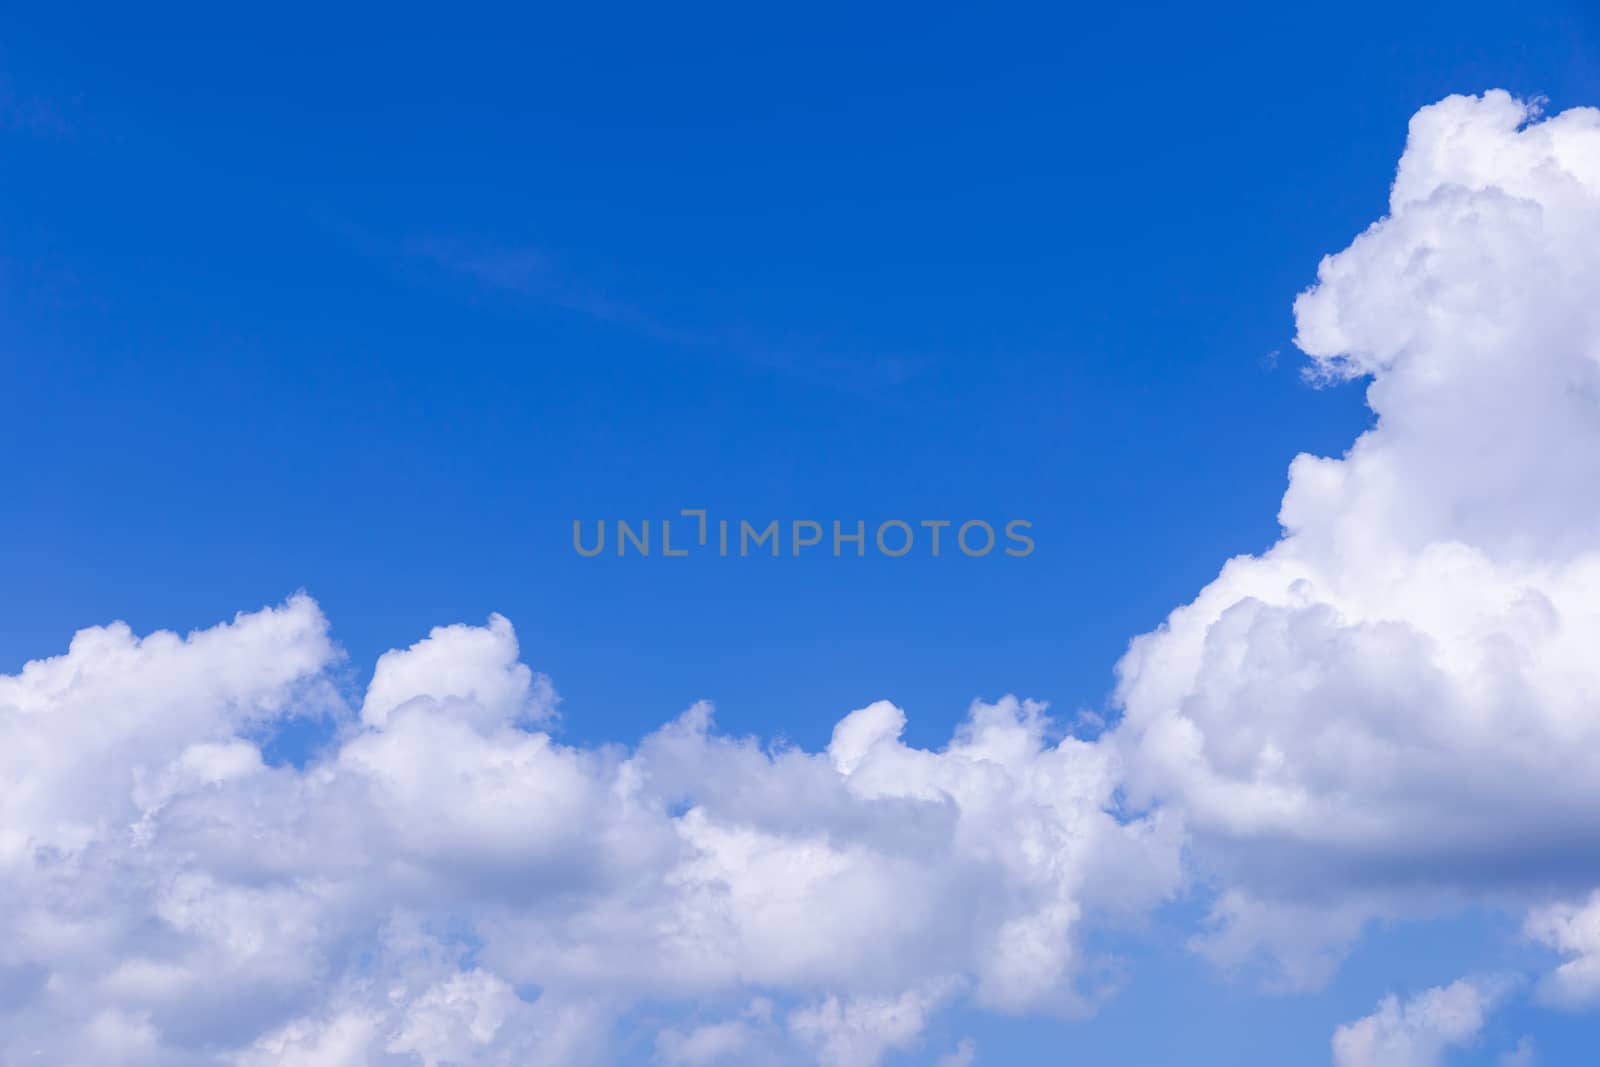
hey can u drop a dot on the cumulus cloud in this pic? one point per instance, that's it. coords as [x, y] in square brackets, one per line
[965, 1054]
[747, 1039]
[1397, 707]
[1524, 1054]
[1391, 711]
[1417, 1032]
[1573, 930]
[449, 883]
[857, 1032]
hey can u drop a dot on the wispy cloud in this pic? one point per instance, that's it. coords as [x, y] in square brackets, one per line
[529, 272]
[31, 115]
[532, 274]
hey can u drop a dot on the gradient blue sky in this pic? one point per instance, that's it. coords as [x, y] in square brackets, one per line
[375, 303]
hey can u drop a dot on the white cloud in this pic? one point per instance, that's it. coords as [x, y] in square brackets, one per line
[965, 1054]
[1574, 931]
[1524, 1055]
[731, 1041]
[448, 883]
[1417, 1032]
[474, 670]
[857, 1032]
[1389, 712]
[1394, 707]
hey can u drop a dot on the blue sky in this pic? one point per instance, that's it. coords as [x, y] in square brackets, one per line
[375, 303]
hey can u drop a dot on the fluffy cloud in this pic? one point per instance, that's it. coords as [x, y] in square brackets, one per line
[1398, 706]
[1390, 712]
[1523, 1055]
[1574, 931]
[965, 1054]
[1418, 1031]
[857, 1032]
[447, 883]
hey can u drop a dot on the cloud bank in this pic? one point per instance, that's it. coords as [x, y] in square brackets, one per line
[450, 884]
[1398, 706]
[1419, 1031]
[1390, 713]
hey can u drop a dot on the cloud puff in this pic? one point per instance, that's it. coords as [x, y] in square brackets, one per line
[965, 1054]
[1417, 1032]
[1525, 1054]
[1398, 705]
[1573, 930]
[448, 883]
